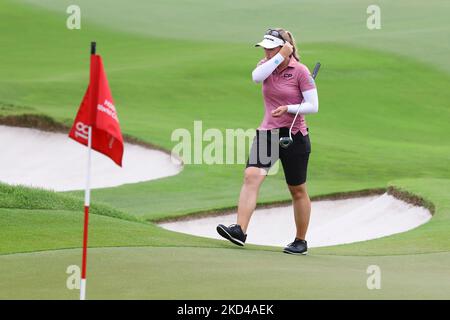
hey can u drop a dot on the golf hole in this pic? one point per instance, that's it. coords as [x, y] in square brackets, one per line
[51, 160]
[332, 222]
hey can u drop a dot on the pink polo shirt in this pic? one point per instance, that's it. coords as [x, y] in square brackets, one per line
[284, 88]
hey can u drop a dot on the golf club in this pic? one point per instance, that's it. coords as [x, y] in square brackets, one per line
[287, 141]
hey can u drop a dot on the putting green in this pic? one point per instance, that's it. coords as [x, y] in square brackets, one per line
[383, 121]
[207, 273]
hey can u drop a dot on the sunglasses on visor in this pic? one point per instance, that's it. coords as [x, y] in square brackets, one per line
[275, 33]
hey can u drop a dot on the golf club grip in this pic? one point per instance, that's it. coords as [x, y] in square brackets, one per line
[93, 47]
[316, 70]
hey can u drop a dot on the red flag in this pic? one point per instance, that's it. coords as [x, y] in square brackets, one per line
[97, 110]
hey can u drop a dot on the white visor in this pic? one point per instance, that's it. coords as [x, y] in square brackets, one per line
[270, 42]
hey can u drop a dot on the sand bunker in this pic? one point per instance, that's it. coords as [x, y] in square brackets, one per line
[53, 161]
[332, 222]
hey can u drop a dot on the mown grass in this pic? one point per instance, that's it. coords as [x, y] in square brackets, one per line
[376, 123]
[383, 121]
[212, 273]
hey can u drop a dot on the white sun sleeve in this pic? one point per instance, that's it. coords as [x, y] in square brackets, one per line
[264, 70]
[310, 103]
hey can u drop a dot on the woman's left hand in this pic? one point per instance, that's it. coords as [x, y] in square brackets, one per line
[278, 112]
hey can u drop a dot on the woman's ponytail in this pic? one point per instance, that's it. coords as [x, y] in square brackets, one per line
[292, 41]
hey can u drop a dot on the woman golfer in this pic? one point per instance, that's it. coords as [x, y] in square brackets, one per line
[287, 85]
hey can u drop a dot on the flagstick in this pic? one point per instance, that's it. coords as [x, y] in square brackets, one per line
[87, 196]
[87, 199]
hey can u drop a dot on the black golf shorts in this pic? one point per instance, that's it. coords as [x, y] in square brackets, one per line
[294, 158]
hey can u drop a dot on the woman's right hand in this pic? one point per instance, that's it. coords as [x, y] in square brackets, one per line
[278, 112]
[286, 50]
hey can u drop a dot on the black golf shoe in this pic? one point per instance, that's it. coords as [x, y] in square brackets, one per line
[233, 233]
[297, 247]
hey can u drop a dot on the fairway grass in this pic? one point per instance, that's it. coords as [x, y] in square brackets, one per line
[383, 121]
[412, 28]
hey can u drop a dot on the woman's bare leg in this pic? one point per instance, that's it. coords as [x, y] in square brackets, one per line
[253, 179]
[302, 209]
